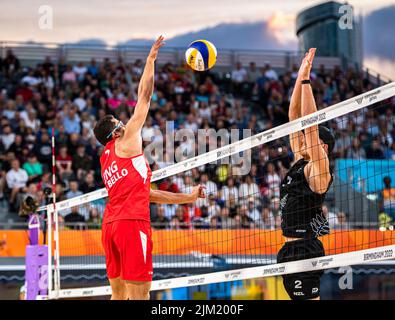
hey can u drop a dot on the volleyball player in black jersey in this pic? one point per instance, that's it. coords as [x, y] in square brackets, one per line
[303, 190]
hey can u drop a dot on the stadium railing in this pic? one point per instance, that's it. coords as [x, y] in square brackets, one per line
[30, 52]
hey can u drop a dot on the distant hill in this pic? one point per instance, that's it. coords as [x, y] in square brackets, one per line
[228, 36]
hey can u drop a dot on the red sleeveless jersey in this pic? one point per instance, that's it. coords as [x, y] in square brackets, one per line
[127, 181]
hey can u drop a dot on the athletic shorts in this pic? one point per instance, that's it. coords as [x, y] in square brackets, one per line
[128, 248]
[304, 285]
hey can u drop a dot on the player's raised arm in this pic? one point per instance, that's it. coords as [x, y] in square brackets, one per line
[294, 112]
[165, 197]
[144, 94]
[317, 171]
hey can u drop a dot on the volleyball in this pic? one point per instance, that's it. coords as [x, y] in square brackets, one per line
[201, 55]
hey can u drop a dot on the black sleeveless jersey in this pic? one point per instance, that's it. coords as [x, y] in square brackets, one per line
[301, 208]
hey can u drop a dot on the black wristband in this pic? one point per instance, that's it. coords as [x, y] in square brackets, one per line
[306, 81]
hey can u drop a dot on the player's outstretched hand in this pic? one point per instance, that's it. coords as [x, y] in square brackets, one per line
[155, 48]
[307, 63]
[198, 192]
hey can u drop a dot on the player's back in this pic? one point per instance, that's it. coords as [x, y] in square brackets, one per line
[301, 208]
[127, 181]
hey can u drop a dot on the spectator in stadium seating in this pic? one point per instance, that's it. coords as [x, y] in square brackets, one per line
[168, 185]
[31, 120]
[270, 73]
[238, 224]
[356, 151]
[229, 189]
[89, 184]
[215, 222]
[330, 216]
[60, 191]
[248, 188]
[387, 197]
[246, 221]
[238, 77]
[31, 191]
[211, 188]
[160, 221]
[232, 205]
[275, 206]
[7, 137]
[73, 190]
[342, 221]
[73, 141]
[213, 208]
[18, 145]
[64, 163]
[48, 66]
[80, 101]
[94, 221]
[170, 210]
[11, 63]
[252, 210]
[93, 68]
[33, 168]
[273, 181]
[69, 76]
[3, 184]
[45, 181]
[82, 163]
[72, 122]
[226, 221]
[43, 150]
[183, 217]
[191, 123]
[80, 71]
[16, 182]
[252, 73]
[9, 109]
[267, 220]
[375, 151]
[74, 220]
[175, 223]
[31, 79]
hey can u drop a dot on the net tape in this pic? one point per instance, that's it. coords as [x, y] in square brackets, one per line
[279, 269]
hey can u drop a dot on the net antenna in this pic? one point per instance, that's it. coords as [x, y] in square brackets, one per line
[378, 247]
[53, 226]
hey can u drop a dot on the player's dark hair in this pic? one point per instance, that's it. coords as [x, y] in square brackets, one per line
[327, 137]
[102, 129]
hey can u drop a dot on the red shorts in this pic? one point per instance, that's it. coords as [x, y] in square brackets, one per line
[128, 249]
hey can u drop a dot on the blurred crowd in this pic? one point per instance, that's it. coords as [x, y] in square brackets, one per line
[71, 97]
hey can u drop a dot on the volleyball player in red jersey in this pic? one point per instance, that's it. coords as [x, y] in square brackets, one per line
[126, 229]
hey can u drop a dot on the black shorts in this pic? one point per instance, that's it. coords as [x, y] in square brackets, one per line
[304, 285]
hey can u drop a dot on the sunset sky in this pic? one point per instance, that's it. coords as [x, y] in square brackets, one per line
[119, 20]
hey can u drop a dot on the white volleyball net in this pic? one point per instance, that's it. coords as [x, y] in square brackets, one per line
[235, 233]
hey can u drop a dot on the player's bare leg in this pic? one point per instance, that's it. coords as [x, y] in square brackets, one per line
[138, 290]
[118, 289]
